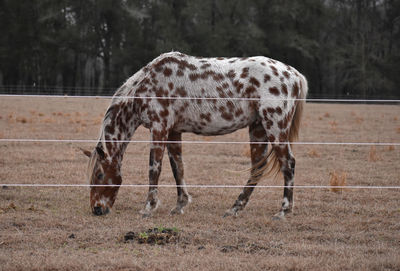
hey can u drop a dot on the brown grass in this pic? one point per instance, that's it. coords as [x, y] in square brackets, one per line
[246, 151]
[53, 229]
[337, 179]
[359, 120]
[373, 155]
[390, 148]
[21, 119]
[314, 153]
[333, 126]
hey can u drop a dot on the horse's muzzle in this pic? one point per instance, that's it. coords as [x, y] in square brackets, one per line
[98, 210]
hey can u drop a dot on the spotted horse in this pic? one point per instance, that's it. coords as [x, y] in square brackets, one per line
[177, 93]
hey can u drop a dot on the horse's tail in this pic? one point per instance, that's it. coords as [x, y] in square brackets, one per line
[270, 165]
[299, 104]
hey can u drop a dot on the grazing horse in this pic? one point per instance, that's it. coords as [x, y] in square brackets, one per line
[177, 93]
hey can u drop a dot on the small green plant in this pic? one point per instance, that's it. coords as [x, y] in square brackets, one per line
[159, 235]
[164, 229]
[143, 235]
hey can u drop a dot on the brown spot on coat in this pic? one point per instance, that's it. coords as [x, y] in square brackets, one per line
[171, 85]
[218, 77]
[269, 124]
[274, 70]
[109, 129]
[206, 117]
[284, 89]
[286, 74]
[146, 81]
[141, 89]
[182, 64]
[274, 91]
[238, 85]
[239, 112]
[181, 91]
[245, 72]
[296, 90]
[164, 113]
[249, 90]
[194, 76]
[254, 81]
[283, 137]
[230, 106]
[231, 74]
[271, 138]
[167, 72]
[227, 116]
[267, 77]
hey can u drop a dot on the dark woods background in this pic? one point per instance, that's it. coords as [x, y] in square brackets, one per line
[346, 48]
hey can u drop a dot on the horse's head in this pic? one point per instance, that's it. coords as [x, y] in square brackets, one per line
[104, 177]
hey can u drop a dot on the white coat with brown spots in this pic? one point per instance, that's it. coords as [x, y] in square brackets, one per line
[174, 94]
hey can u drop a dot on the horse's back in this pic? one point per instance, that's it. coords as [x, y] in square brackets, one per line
[213, 95]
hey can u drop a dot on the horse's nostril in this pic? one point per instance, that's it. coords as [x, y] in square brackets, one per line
[97, 210]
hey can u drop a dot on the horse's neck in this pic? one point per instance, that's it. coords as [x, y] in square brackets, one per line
[119, 125]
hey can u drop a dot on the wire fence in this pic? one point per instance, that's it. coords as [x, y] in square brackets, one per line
[49, 140]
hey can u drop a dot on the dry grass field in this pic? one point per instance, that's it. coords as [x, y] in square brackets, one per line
[44, 228]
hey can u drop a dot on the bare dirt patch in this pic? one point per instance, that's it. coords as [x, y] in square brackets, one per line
[53, 229]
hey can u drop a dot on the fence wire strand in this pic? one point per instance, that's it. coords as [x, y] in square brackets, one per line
[202, 186]
[204, 98]
[35, 140]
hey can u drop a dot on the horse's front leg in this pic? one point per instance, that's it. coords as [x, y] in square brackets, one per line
[175, 158]
[157, 148]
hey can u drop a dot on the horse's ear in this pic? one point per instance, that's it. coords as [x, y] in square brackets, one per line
[101, 153]
[86, 152]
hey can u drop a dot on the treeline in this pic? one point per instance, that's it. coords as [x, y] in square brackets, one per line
[346, 48]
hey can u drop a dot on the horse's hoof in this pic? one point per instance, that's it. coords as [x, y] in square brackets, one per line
[177, 211]
[147, 215]
[279, 216]
[230, 212]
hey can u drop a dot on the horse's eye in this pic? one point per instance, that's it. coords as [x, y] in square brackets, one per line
[100, 176]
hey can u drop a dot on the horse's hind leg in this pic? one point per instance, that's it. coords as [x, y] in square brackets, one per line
[175, 159]
[258, 154]
[287, 162]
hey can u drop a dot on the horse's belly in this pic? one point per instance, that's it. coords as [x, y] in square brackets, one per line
[217, 124]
